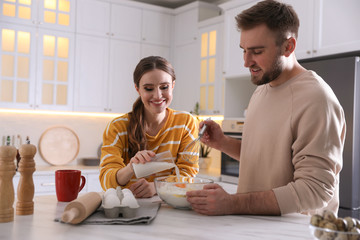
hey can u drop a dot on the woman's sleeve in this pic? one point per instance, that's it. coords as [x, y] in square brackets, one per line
[112, 155]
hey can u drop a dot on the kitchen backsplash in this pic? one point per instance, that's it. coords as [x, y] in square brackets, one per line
[89, 129]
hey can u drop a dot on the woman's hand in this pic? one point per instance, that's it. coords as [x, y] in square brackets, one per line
[143, 156]
[143, 189]
[123, 175]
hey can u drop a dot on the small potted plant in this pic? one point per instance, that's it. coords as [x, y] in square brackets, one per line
[204, 158]
[204, 151]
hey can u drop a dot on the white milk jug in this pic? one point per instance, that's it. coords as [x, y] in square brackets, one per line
[160, 162]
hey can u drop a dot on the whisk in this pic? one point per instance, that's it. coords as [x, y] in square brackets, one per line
[192, 149]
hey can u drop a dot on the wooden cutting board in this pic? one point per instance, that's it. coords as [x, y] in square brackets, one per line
[59, 145]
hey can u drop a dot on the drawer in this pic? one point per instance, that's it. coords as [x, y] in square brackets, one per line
[93, 183]
[44, 184]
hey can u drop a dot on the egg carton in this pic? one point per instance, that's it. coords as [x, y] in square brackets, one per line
[119, 203]
[121, 211]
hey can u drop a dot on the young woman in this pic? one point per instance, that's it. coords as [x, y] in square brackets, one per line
[150, 128]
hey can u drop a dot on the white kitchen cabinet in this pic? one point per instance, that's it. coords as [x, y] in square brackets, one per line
[155, 33]
[109, 48]
[50, 14]
[55, 68]
[186, 64]
[155, 50]
[211, 78]
[17, 66]
[37, 53]
[104, 71]
[91, 73]
[44, 183]
[104, 19]
[124, 56]
[156, 27]
[27, 85]
[93, 182]
[233, 64]
[125, 22]
[318, 19]
[187, 18]
[305, 10]
[187, 52]
[337, 31]
[93, 17]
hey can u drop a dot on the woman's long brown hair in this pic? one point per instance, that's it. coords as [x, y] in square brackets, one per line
[136, 128]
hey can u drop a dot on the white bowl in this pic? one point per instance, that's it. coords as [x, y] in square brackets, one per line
[173, 191]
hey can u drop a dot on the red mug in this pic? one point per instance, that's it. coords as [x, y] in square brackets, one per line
[67, 183]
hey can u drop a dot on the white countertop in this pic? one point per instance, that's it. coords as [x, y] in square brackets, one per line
[169, 224]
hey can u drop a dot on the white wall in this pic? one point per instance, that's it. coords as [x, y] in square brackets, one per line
[88, 128]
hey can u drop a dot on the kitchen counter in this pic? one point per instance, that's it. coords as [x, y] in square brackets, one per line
[169, 224]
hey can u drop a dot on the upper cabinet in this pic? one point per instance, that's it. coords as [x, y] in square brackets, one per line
[112, 20]
[211, 80]
[186, 59]
[50, 14]
[36, 60]
[156, 27]
[318, 19]
[187, 19]
[337, 31]
[17, 69]
[111, 40]
[233, 65]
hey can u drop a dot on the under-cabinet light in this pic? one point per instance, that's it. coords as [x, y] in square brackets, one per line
[89, 114]
[63, 113]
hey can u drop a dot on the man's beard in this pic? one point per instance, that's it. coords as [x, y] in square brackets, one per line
[271, 75]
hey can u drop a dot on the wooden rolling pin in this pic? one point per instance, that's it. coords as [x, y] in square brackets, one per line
[82, 207]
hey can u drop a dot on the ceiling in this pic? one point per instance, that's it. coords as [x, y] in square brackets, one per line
[176, 3]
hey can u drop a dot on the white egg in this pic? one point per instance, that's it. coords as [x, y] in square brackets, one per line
[110, 191]
[129, 199]
[111, 200]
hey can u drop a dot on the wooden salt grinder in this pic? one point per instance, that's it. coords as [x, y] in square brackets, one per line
[82, 207]
[7, 172]
[25, 189]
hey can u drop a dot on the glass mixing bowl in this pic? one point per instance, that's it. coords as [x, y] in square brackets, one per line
[173, 191]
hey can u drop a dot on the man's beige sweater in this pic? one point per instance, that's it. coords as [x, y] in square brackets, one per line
[293, 143]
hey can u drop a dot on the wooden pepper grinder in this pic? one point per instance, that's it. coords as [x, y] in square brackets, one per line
[25, 190]
[7, 172]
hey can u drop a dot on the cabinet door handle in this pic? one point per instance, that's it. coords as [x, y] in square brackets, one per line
[314, 51]
[47, 184]
[308, 52]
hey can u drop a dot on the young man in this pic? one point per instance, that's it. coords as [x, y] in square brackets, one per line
[291, 152]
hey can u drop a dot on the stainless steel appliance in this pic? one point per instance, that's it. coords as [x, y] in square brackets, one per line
[342, 73]
[230, 167]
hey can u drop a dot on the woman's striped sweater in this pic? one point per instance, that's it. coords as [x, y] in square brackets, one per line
[179, 130]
